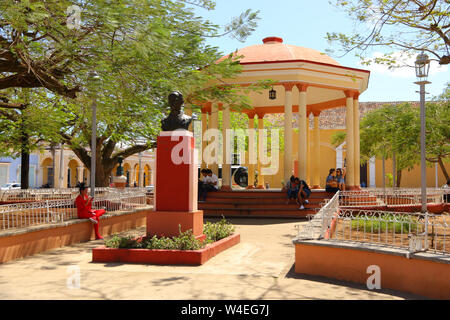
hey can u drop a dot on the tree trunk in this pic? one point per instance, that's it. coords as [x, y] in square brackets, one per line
[444, 171]
[399, 178]
[25, 161]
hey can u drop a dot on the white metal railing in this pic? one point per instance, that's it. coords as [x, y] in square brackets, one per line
[389, 197]
[30, 195]
[412, 231]
[320, 222]
[20, 215]
[403, 230]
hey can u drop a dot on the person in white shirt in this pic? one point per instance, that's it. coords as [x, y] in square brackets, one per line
[201, 182]
[210, 183]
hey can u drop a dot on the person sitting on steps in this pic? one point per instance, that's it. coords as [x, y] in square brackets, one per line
[303, 193]
[331, 182]
[210, 183]
[292, 189]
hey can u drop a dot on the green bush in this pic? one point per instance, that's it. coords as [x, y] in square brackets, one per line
[401, 224]
[219, 230]
[184, 241]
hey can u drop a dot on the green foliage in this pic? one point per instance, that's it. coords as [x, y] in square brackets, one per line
[184, 241]
[142, 50]
[385, 222]
[216, 231]
[389, 180]
[338, 138]
[405, 26]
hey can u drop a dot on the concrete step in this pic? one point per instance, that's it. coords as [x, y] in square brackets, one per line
[262, 195]
[258, 213]
[255, 206]
[275, 201]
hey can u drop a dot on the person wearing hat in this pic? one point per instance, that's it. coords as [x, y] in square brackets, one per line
[84, 209]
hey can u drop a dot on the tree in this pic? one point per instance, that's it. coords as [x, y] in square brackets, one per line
[407, 26]
[395, 129]
[23, 128]
[142, 50]
[438, 130]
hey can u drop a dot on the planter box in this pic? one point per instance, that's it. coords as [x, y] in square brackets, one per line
[164, 257]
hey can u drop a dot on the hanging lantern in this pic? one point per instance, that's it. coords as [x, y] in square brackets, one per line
[272, 94]
[422, 65]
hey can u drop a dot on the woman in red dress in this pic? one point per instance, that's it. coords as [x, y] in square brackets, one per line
[84, 209]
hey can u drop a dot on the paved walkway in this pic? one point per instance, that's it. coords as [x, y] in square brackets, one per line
[260, 267]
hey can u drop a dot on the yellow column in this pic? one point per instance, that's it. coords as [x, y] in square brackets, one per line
[188, 112]
[288, 132]
[251, 146]
[261, 184]
[308, 151]
[226, 153]
[204, 128]
[350, 141]
[302, 132]
[316, 152]
[214, 124]
[356, 138]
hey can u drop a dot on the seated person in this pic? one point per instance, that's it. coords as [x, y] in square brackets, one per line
[84, 209]
[303, 193]
[210, 183]
[292, 189]
[340, 178]
[446, 188]
[331, 182]
[201, 182]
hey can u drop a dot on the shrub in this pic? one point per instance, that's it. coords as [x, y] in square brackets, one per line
[397, 224]
[184, 241]
[219, 230]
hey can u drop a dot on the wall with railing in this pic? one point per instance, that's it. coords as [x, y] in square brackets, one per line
[414, 232]
[33, 207]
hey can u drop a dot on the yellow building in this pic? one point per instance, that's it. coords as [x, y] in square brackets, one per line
[69, 170]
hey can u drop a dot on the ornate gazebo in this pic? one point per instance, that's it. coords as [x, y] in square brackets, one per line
[306, 82]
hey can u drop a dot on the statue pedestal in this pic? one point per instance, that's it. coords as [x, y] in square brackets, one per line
[176, 186]
[120, 182]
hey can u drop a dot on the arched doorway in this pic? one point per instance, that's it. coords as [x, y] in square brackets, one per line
[47, 172]
[147, 175]
[72, 173]
[127, 172]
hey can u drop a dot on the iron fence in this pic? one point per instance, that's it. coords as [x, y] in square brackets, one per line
[412, 231]
[25, 214]
[31, 195]
[319, 223]
[389, 197]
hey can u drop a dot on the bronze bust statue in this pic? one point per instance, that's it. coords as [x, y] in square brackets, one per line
[176, 119]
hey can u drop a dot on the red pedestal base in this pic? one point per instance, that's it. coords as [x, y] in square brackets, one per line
[165, 223]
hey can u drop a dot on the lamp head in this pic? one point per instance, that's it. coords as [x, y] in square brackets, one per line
[422, 66]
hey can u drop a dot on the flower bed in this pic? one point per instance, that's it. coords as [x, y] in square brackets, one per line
[184, 249]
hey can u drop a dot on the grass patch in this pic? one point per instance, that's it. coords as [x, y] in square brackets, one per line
[184, 241]
[385, 222]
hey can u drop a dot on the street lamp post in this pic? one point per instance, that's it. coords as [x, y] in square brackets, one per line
[422, 66]
[93, 76]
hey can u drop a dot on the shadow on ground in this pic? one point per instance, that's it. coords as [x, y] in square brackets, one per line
[291, 274]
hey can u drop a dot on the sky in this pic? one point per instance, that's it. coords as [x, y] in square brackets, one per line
[305, 23]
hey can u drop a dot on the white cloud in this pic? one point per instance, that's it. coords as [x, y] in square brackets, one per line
[407, 69]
